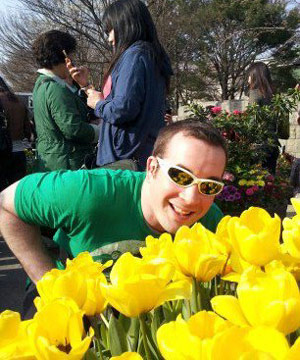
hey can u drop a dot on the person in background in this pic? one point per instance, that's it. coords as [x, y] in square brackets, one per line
[19, 128]
[64, 134]
[260, 92]
[132, 103]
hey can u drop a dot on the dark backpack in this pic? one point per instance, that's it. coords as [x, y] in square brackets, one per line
[5, 138]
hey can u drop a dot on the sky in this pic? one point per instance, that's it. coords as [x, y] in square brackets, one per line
[10, 6]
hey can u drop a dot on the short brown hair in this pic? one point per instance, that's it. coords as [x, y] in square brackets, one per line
[201, 130]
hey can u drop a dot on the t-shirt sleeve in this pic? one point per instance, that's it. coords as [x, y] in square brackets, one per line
[212, 218]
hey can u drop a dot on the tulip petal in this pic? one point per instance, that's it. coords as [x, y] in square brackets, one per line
[296, 204]
[228, 307]
[206, 324]
[176, 342]
[268, 340]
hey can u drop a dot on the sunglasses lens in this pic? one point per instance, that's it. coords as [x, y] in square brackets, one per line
[210, 188]
[180, 177]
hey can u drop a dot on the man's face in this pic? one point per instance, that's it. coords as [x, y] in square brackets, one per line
[166, 206]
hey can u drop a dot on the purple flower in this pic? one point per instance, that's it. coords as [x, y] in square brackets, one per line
[237, 196]
[249, 191]
[230, 189]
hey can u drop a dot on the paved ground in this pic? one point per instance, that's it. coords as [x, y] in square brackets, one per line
[12, 280]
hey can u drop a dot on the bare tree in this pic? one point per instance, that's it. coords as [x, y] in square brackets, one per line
[82, 18]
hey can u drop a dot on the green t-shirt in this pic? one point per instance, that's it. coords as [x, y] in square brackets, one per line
[94, 210]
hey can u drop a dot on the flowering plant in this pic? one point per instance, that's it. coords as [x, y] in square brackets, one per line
[178, 301]
[255, 186]
[248, 135]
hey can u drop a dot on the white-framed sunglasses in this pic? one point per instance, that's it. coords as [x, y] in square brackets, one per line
[184, 178]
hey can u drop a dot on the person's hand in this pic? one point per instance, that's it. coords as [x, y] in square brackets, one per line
[68, 79]
[168, 119]
[93, 97]
[79, 74]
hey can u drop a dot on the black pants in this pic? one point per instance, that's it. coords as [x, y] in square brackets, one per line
[12, 168]
[29, 309]
[270, 162]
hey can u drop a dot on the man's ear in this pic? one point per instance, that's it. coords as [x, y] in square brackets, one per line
[151, 167]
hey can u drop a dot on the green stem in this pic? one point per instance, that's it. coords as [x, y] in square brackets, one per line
[136, 334]
[95, 325]
[199, 297]
[99, 349]
[188, 307]
[195, 293]
[215, 286]
[144, 331]
[104, 320]
[222, 282]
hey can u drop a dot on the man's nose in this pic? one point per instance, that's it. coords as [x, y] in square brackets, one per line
[191, 195]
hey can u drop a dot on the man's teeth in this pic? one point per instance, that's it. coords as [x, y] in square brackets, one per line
[181, 212]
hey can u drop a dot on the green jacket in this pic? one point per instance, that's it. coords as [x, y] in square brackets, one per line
[64, 136]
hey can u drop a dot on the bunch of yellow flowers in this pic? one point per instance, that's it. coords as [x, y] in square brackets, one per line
[231, 295]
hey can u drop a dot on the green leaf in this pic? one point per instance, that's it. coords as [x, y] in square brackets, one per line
[90, 355]
[104, 335]
[152, 343]
[117, 337]
[133, 333]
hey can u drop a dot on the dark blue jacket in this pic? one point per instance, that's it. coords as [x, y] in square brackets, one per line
[133, 112]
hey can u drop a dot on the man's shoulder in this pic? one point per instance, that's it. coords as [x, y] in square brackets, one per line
[118, 176]
[212, 218]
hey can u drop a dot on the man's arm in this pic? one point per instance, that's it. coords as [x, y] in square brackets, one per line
[23, 239]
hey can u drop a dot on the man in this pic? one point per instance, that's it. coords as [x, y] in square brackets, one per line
[110, 212]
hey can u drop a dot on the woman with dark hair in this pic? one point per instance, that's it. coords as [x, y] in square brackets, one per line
[64, 136]
[132, 103]
[260, 92]
[260, 84]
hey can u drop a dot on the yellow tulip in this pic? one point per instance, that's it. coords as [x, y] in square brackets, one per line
[223, 235]
[255, 236]
[290, 263]
[176, 342]
[128, 356]
[268, 298]
[206, 324]
[9, 326]
[14, 343]
[199, 253]
[192, 339]
[291, 235]
[163, 248]
[235, 264]
[140, 285]
[85, 263]
[258, 343]
[80, 281]
[57, 332]
[159, 248]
